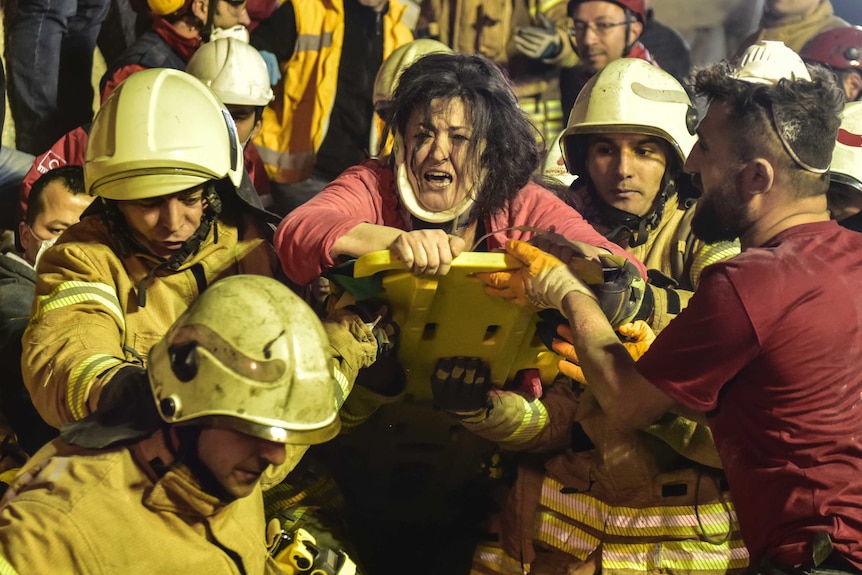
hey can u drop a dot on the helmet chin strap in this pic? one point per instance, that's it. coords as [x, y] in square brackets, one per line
[627, 227]
[212, 209]
[187, 454]
[627, 14]
[207, 29]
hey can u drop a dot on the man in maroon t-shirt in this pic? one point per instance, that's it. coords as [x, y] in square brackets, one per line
[769, 346]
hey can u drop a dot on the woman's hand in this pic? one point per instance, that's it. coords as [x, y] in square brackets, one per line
[427, 252]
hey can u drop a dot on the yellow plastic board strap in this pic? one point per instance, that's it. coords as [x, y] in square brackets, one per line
[451, 315]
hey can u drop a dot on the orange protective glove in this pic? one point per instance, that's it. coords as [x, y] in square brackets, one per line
[542, 282]
[636, 338]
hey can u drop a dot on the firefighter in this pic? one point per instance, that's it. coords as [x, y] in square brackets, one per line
[167, 222]
[237, 73]
[242, 382]
[602, 31]
[627, 148]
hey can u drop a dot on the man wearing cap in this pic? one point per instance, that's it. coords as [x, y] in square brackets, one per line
[768, 346]
[241, 383]
[603, 31]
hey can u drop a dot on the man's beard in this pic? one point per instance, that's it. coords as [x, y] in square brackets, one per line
[719, 216]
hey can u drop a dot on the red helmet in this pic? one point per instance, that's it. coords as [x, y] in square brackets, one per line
[636, 7]
[838, 48]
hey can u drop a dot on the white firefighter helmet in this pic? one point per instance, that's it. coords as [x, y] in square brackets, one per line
[846, 165]
[161, 131]
[234, 70]
[387, 80]
[250, 355]
[769, 61]
[389, 72]
[630, 96]
[554, 166]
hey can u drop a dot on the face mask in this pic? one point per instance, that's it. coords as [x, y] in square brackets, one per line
[43, 247]
[238, 32]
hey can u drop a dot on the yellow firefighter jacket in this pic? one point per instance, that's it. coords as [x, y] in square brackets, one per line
[106, 512]
[293, 131]
[671, 249]
[86, 323]
[487, 27]
[628, 501]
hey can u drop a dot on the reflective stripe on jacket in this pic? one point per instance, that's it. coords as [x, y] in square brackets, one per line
[293, 131]
[79, 511]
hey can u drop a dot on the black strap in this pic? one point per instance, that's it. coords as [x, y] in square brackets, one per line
[200, 277]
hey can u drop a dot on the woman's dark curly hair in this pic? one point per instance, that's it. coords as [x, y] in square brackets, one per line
[501, 131]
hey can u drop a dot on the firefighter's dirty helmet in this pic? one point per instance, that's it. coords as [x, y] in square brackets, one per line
[769, 61]
[249, 355]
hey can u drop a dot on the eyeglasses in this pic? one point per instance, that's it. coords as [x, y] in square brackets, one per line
[600, 28]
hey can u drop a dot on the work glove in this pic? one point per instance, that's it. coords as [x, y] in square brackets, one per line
[621, 289]
[379, 320]
[543, 281]
[636, 337]
[612, 280]
[562, 247]
[351, 341]
[385, 376]
[272, 67]
[460, 385]
[539, 42]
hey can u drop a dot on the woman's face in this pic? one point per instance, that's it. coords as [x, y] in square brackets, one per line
[437, 154]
